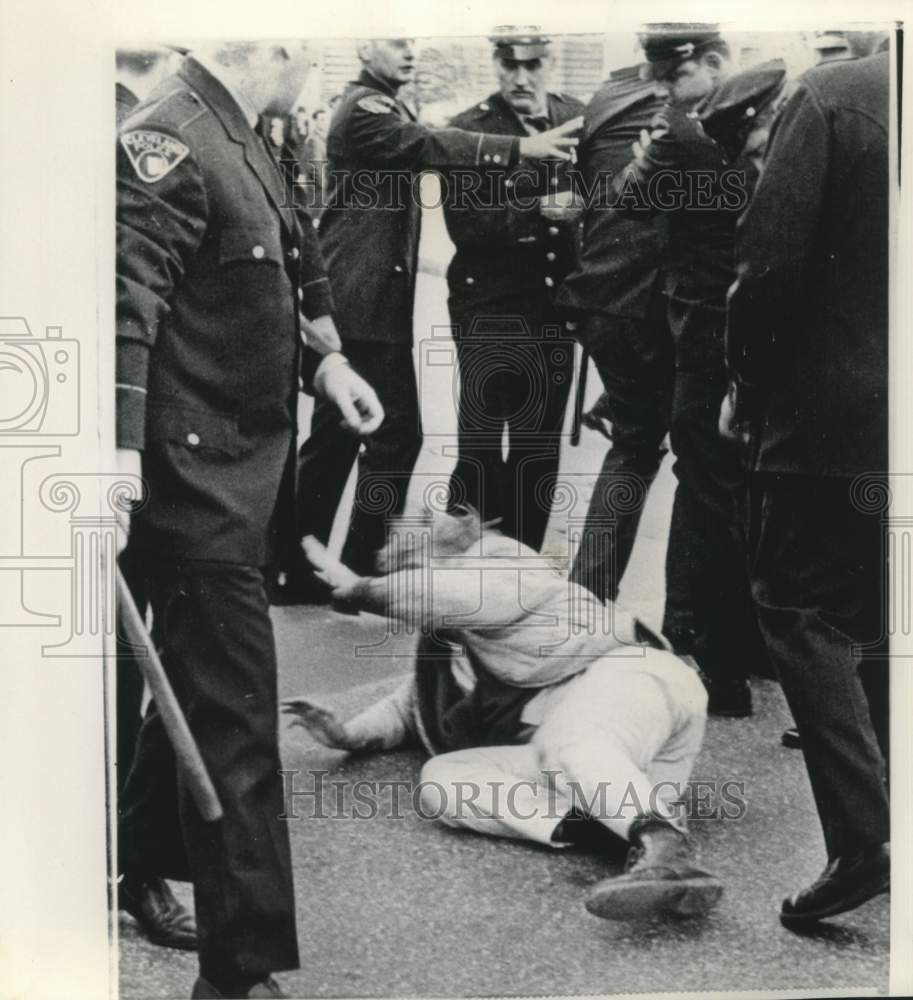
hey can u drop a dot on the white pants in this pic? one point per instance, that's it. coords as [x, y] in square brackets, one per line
[617, 740]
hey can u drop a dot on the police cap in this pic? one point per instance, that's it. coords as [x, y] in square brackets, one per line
[520, 42]
[830, 39]
[730, 112]
[667, 46]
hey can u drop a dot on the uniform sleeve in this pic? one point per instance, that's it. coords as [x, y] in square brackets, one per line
[159, 226]
[316, 297]
[384, 139]
[775, 237]
[677, 144]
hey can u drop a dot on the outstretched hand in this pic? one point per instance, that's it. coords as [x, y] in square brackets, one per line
[328, 568]
[554, 144]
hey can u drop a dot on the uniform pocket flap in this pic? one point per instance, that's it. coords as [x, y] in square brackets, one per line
[193, 428]
[237, 244]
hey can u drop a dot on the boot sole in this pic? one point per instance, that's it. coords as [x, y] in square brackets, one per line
[630, 901]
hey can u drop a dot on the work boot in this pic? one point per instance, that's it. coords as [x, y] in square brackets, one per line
[658, 877]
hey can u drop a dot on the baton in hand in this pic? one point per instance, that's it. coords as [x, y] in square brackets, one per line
[577, 416]
[186, 751]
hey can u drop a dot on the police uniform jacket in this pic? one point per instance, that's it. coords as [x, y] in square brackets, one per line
[697, 197]
[618, 262]
[370, 229]
[212, 271]
[807, 335]
[124, 101]
[504, 246]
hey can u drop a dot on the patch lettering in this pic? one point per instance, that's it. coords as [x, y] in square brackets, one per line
[153, 154]
[377, 105]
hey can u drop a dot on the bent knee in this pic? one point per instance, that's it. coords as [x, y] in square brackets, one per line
[681, 681]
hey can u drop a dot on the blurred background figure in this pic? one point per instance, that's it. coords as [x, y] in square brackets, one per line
[313, 160]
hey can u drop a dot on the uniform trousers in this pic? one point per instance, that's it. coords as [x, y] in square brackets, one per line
[214, 636]
[709, 613]
[514, 376]
[384, 465]
[617, 740]
[818, 577]
[634, 358]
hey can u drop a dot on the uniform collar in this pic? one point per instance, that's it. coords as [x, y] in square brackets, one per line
[238, 96]
[240, 123]
[498, 99]
[367, 79]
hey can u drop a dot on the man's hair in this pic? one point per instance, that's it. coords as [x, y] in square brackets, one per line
[233, 53]
[139, 61]
[718, 45]
[363, 43]
[450, 534]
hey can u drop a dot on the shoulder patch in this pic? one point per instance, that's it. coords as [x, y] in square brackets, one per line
[153, 154]
[377, 104]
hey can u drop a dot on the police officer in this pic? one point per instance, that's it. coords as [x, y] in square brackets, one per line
[807, 344]
[613, 298]
[213, 273]
[370, 234]
[150, 901]
[515, 240]
[684, 177]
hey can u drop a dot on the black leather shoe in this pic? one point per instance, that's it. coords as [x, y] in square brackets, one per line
[791, 739]
[151, 903]
[266, 988]
[845, 884]
[729, 699]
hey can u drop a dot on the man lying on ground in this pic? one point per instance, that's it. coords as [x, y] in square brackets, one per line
[526, 685]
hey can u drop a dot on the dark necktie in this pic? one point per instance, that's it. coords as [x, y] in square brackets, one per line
[538, 123]
[263, 129]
